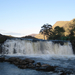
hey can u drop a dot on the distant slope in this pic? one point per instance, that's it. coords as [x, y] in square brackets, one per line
[40, 36]
[33, 35]
[29, 37]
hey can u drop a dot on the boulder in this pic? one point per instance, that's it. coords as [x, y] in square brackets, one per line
[22, 66]
[38, 64]
[31, 65]
[28, 63]
[15, 63]
[2, 59]
[73, 45]
[12, 59]
[63, 73]
[23, 62]
[29, 60]
[45, 67]
[6, 60]
[18, 60]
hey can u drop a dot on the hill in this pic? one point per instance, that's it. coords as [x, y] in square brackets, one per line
[60, 23]
[33, 35]
[40, 36]
[29, 37]
[65, 24]
[4, 38]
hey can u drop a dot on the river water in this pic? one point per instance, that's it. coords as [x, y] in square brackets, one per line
[48, 52]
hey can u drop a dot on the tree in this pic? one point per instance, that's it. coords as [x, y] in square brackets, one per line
[45, 29]
[57, 33]
[72, 28]
[72, 32]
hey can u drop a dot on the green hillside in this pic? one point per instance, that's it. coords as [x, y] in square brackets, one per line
[67, 25]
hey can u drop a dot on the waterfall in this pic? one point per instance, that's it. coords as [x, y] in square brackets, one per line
[22, 46]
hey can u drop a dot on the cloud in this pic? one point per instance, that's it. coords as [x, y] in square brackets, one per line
[4, 32]
[13, 33]
[20, 33]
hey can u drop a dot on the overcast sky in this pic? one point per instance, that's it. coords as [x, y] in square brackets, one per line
[24, 17]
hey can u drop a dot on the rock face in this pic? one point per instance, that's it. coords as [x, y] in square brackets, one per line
[73, 45]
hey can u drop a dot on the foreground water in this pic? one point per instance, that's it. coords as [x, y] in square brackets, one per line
[65, 63]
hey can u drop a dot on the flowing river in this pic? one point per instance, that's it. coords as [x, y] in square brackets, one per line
[55, 53]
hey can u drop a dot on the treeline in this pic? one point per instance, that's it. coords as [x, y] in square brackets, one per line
[58, 33]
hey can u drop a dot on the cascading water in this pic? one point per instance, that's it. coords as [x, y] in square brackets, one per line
[22, 46]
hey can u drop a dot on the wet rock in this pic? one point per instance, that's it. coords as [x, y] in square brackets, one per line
[62, 43]
[6, 60]
[14, 59]
[73, 45]
[29, 60]
[18, 60]
[22, 66]
[23, 62]
[38, 64]
[28, 63]
[59, 42]
[0, 49]
[45, 67]
[31, 65]
[63, 73]
[16, 63]
[2, 59]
